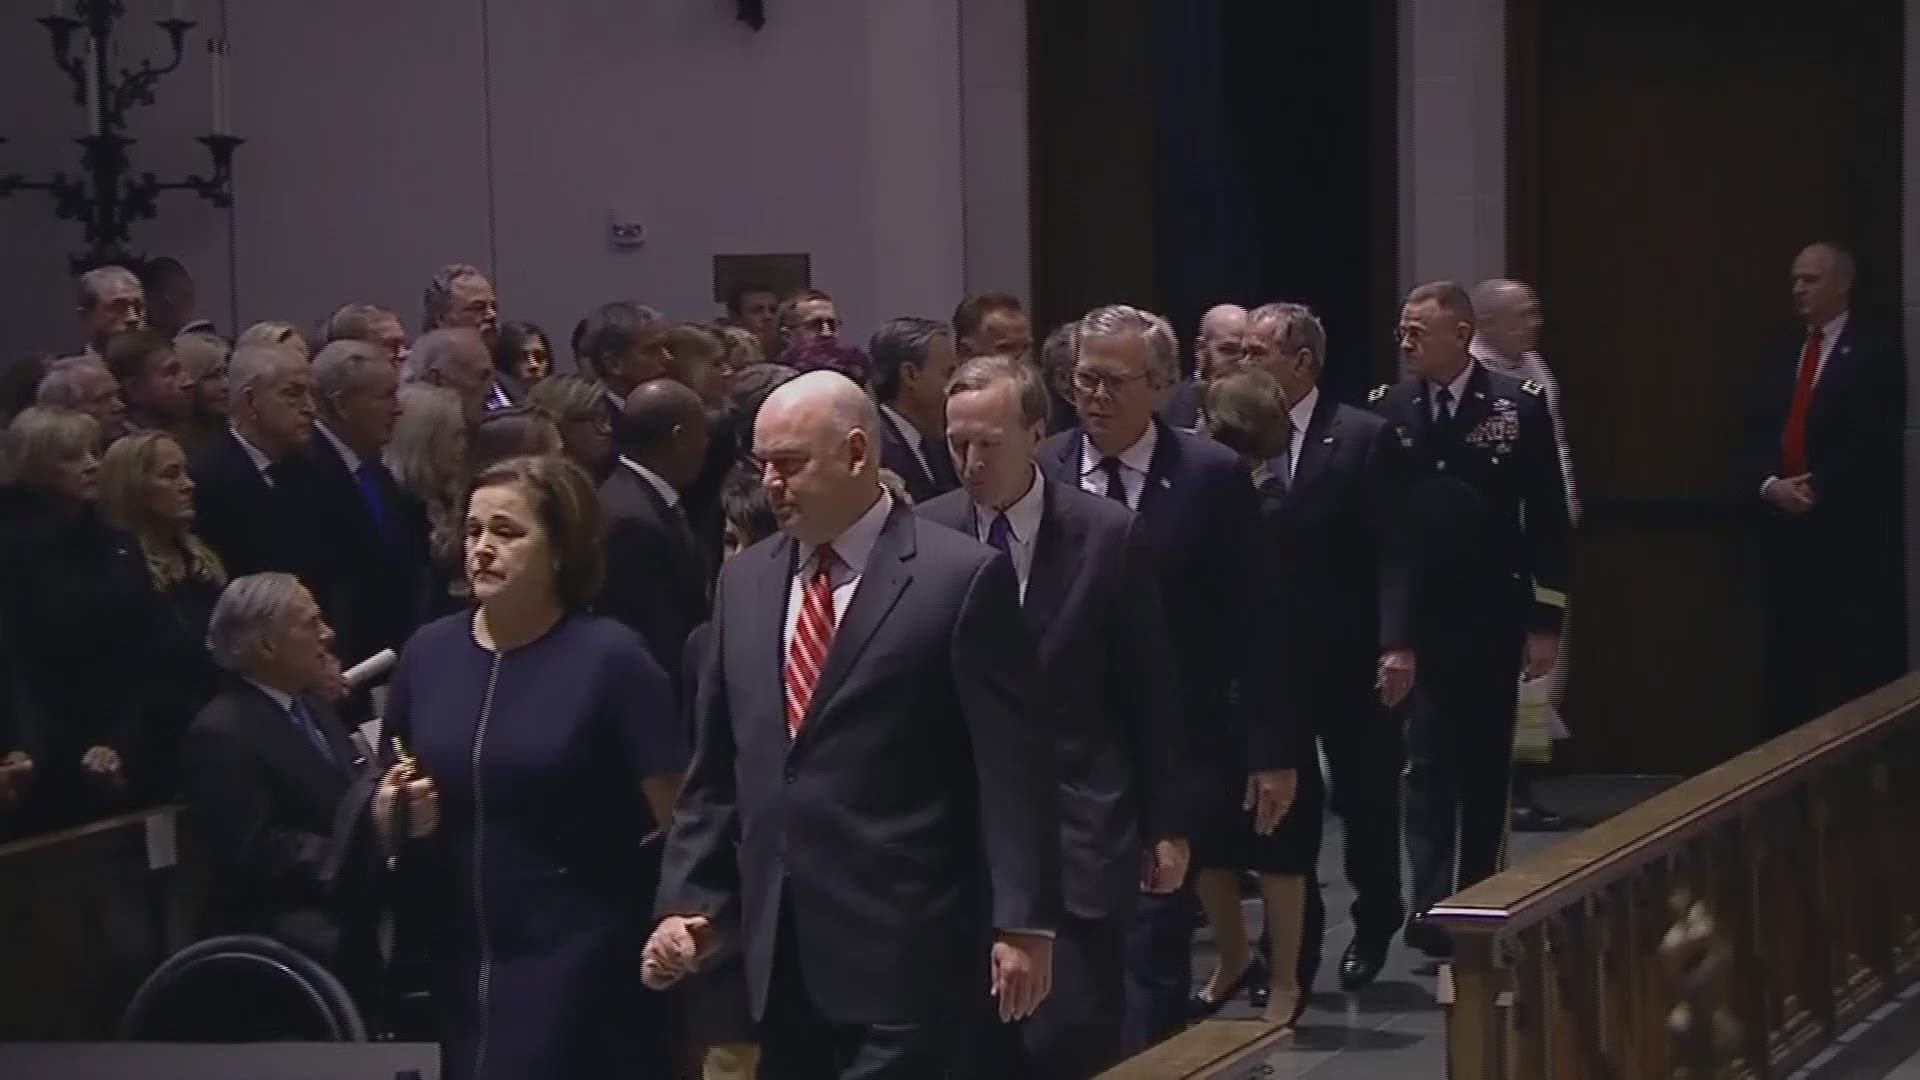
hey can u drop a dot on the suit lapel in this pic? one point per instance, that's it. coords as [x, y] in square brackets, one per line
[886, 577]
[1317, 446]
[1160, 471]
[1054, 548]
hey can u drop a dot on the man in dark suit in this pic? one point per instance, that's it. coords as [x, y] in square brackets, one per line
[912, 361]
[377, 537]
[869, 788]
[657, 576]
[1343, 586]
[250, 484]
[1091, 597]
[1827, 460]
[1486, 505]
[1198, 505]
[297, 820]
[1218, 349]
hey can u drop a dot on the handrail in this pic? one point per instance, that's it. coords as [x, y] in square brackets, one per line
[1584, 863]
[1210, 1050]
[1746, 915]
[59, 837]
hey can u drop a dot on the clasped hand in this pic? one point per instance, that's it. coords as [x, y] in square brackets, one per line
[676, 949]
[404, 784]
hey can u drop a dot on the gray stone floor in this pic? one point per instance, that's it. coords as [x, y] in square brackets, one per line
[1394, 1029]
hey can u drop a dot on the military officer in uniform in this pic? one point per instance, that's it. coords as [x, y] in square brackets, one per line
[1487, 521]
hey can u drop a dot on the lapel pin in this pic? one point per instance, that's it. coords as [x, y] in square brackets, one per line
[1165, 482]
[1328, 439]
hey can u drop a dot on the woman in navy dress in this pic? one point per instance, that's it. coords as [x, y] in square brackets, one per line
[554, 740]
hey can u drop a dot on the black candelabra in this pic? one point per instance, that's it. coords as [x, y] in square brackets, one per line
[107, 197]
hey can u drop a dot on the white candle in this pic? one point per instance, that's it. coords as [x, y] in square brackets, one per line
[224, 124]
[177, 10]
[213, 84]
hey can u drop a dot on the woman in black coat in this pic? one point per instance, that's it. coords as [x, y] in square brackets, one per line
[74, 589]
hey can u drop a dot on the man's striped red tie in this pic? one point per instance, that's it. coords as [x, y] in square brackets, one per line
[812, 638]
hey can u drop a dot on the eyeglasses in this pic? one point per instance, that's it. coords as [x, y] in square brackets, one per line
[1089, 381]
[821, 325]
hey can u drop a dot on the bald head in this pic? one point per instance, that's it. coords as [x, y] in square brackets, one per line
[1221, 343]
[1822, 283]
[663, 425]
[1507, 317]
[819, 461]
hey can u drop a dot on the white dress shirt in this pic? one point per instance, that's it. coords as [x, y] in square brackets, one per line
[854, 547]
[261, 462]
[1302, 415]
[653, 479]
[1135, 460]
[1829, 336]
[911, 435]
[1457, 388]
[346, 452]
[1023, 525]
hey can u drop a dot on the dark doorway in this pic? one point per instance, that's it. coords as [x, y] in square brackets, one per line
[1193, 152]
[1666, 162]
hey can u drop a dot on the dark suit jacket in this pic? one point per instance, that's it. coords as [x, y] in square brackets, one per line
[935, 479]
[1853, 434]
[367, 579]
[253, 525]
[1182, 408]
[1344, 581]
[915, 809]
[1203, 520]
[289, 830]
[1487, 507]
[1104, 687]
[656, 579]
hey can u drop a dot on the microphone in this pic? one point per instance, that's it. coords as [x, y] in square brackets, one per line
[373, 667]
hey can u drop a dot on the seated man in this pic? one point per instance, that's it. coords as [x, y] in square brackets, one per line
[298, 823]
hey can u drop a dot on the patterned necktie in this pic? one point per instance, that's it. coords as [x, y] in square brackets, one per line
[1116, 482]
[305, 720]
[367, 476]
[1793, 441]
[812, 638]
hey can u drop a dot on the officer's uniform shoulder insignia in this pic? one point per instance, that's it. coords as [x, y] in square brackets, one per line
[1378, 393]
[1534, 388]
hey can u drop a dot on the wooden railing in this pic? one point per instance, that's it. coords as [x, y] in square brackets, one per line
[1731, 926]
[85, 914]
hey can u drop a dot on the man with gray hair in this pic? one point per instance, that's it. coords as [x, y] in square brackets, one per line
[84, 384]
[865, 697]
[461, 296]
[111, 300]
[1507, 340]
[370, 323]
[251, 485]
[1217, 350]
[1091, 597]
[912, 361]
[297, 821]
[1329, 501]
[379, 542]
[457, 359]
[1199, 508]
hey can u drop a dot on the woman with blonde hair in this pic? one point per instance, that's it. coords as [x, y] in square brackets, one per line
[578, 406]
[145, 491]
[205, 358]
[276, 332]
[428, 458]
[76, 588]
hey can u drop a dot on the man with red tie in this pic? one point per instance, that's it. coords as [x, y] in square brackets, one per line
[1828, 457]
[870, 805]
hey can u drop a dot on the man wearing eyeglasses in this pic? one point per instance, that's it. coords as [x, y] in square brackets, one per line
[1200, 511]
[808, 317]
[1218, 349]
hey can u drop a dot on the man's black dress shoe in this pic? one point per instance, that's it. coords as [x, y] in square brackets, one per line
[1531, 817]
[1361, 963]
[1429, 938]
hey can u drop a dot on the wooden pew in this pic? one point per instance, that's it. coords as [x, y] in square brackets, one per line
[1210, 1050]
[85, 914]
[1731, 926]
